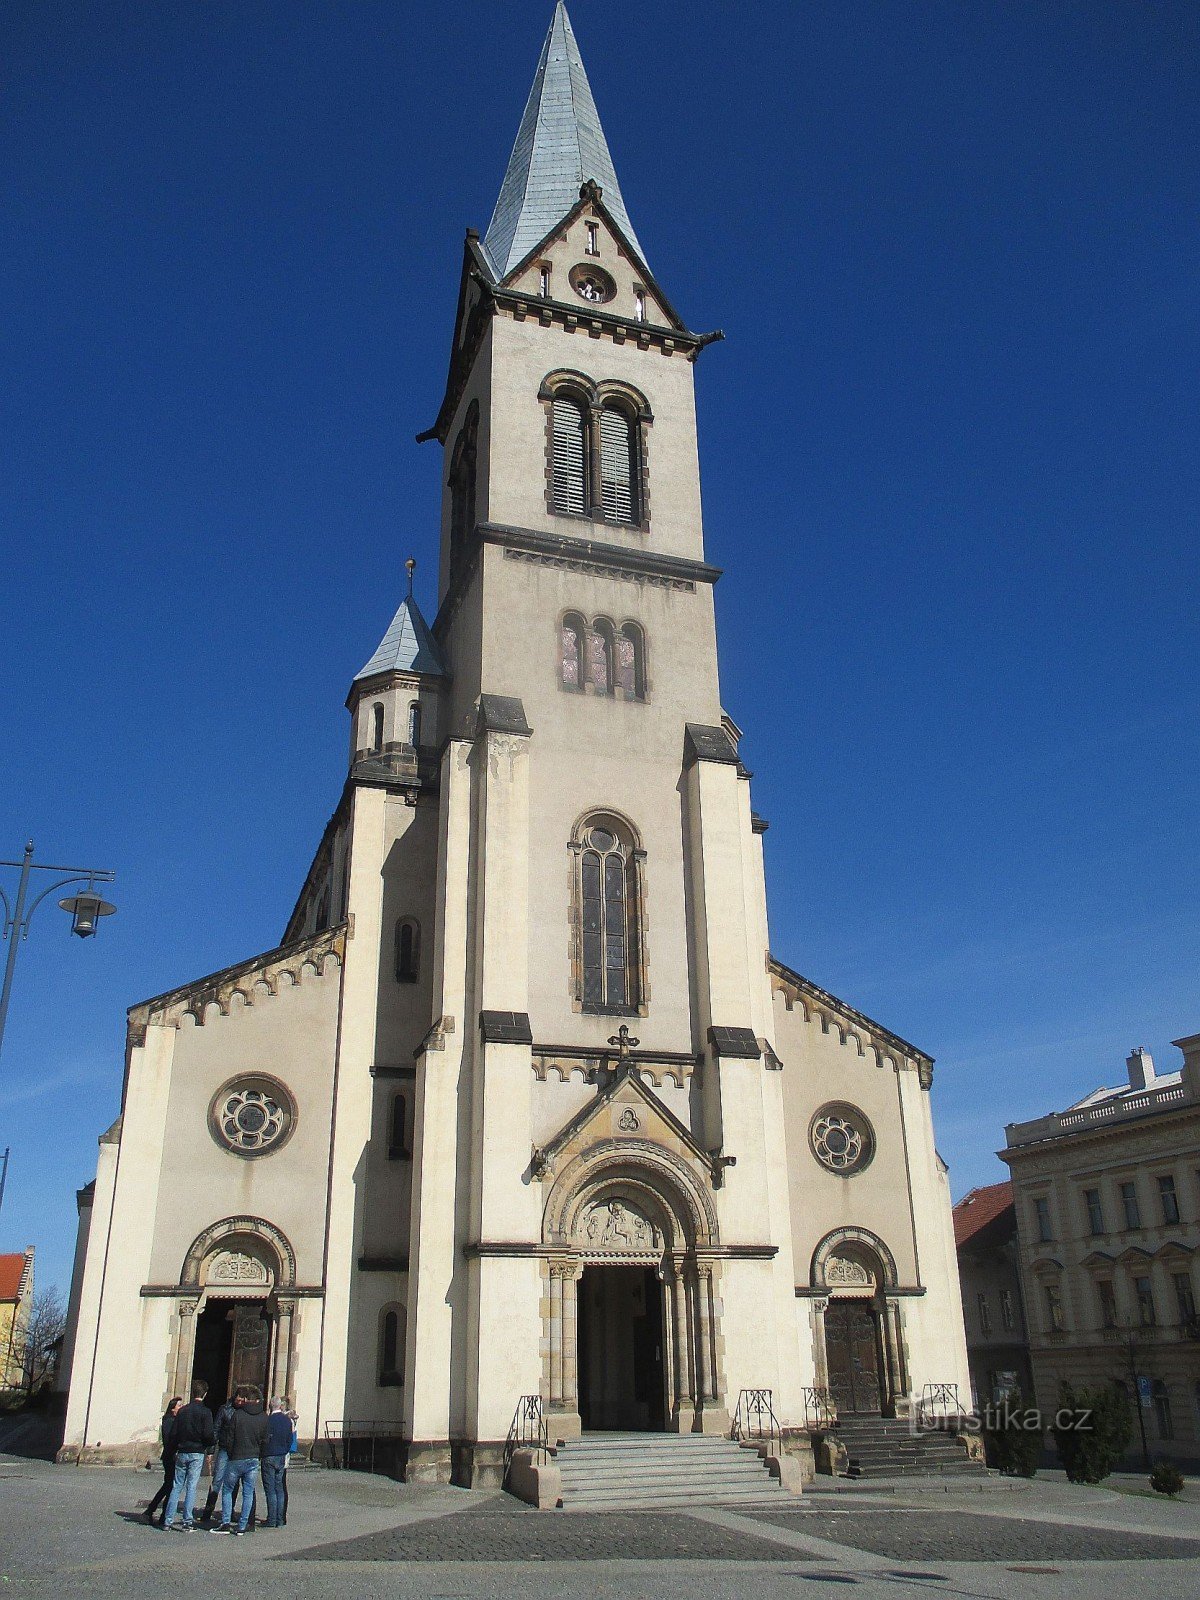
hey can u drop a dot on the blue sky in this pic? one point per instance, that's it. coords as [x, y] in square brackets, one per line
[949, 466]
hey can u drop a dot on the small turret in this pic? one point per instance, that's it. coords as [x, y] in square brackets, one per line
[393, 701]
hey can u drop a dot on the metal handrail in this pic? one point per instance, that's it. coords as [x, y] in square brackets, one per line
[345, 1431]
[755, 1418]
[939, 1399]
[820, 1408]
[527, 1431]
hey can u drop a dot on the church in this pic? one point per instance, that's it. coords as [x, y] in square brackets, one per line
[523, 1115]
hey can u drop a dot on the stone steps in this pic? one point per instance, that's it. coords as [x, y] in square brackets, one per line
[884, 1447]
[649, 1471]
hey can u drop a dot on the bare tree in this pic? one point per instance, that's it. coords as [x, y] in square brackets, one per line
[43, 1338]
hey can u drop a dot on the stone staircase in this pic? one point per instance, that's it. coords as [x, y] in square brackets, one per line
[884, 1447]
[643, 1471]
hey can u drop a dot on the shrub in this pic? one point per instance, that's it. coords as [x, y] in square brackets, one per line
[1090, 1452]
[1166, 1478]
[1010, 1447]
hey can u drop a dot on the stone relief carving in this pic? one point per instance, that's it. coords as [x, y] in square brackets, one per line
[841, 1272]
[615, 1225]
[233, 1266]
[629, 1122]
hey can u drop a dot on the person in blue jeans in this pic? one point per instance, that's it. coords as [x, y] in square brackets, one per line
[274, 1462]
[243, 1439]
[194, 1436]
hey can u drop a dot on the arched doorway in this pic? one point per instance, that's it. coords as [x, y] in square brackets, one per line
[632, 1337]
[860, 1321]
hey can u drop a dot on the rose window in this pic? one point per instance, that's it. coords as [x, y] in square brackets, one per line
[841, 1139]
[251, 1116]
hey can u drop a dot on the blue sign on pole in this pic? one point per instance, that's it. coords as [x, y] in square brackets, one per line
[1145, 1391]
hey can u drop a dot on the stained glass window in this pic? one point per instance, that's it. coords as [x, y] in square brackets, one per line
[608, 922]
[599, 657]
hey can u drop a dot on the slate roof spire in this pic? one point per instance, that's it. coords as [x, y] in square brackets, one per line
[560, 144]
[407, 646]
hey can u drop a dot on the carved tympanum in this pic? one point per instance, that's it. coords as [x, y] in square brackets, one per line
[615, 1225]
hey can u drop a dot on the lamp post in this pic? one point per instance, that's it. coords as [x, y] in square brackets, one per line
[85, 908]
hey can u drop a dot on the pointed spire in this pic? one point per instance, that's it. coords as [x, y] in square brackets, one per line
[407, 646]
[560, 143]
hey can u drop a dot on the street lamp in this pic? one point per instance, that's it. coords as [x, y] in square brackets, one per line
[85, 908]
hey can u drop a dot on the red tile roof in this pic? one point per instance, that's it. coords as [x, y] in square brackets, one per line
[11, 1269]
[975, 1210]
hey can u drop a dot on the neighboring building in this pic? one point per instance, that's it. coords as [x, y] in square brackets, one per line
[985, 1232]
[523, 1105]
[1108, 1212]
[16, 1302]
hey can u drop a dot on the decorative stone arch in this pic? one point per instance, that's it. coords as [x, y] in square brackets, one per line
[636, 1203]
[237, 1258]
[854, 1270]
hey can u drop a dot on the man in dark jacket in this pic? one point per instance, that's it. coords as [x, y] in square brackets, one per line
[193, 1437]
[243, 1439]
[274, 1462]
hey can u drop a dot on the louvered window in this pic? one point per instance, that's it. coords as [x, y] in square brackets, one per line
[618, 466]
[569, 456]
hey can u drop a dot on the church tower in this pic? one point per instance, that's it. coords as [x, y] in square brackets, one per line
[523, 1117]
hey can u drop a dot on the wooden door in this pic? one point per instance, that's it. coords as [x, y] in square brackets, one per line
[251, 1346]
[853, 1354]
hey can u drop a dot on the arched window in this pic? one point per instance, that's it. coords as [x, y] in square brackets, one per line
[463, 464]
[414, 725]
[631, 661]
[377, 727]
[607, 934]
[322, 919]
[392, 1323]
[398, 1129]
[569, 487]
[408, 950]
[570, 650]
[618, 466]
[600, 651]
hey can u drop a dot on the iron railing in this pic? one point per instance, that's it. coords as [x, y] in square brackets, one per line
[364, 1444]
[939, 1403]
[527, 1431]
[820, 1408]
[755, 1418]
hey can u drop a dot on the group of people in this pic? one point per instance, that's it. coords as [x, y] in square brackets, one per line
[243, 1441]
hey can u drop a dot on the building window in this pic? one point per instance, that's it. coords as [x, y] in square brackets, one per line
[842, 1139]
[398, 1129]
[618, 465]
[1108, 1304]
[544, 280]
[1162, 1410]
[377, 728]
[639, 305]
[985, 1316]
[414, 725]
[1054, 1310]
[251, 1116]
[1006, 1308]
[1170, 1200]
[1095, 1210]
[593, 238]
[1184, 1298]
[1144, 1295]
[408, 950]
[1041, 1211]
[391, 1347]
[607, 935]
[568, 452]
[631, 661]
[1129, 1200]
[600, 650]
[570, 651]
[463, 473]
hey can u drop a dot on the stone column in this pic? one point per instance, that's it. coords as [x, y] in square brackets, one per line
[562, 1339]
[893, 1346]
[684, 1399]
[185, 1346]
[282, 1366]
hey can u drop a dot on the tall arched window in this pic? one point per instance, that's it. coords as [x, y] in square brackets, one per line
[414, 725]
[392, 1323]
[377, 727]
[631, 661]
[570, 650]
[600, 652]
[398, 1129]
[608, 927]
[463, 463]
[408, 950]
[618, 466]
[569, 487]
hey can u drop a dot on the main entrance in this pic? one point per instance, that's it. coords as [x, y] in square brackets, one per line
[233, 1346]
[620, 1352]
[854, 1353]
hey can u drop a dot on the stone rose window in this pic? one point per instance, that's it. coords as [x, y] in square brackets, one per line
[252, 1116]
[842, 1139]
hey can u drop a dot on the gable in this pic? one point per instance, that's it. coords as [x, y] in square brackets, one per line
[625, 1112]
[586, 245]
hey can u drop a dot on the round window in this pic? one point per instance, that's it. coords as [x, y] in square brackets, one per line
[592, 283]
[842, 1139]
[251, 1116]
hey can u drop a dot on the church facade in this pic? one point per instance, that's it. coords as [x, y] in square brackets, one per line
[523, 1105]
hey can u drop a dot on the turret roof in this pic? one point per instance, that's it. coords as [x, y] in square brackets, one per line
[560, 144]
[407, 646]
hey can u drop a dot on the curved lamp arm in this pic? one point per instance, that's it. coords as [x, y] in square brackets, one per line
[82, 877]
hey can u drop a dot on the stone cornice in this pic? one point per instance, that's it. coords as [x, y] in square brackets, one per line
[853, 1026]
[594, 553]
